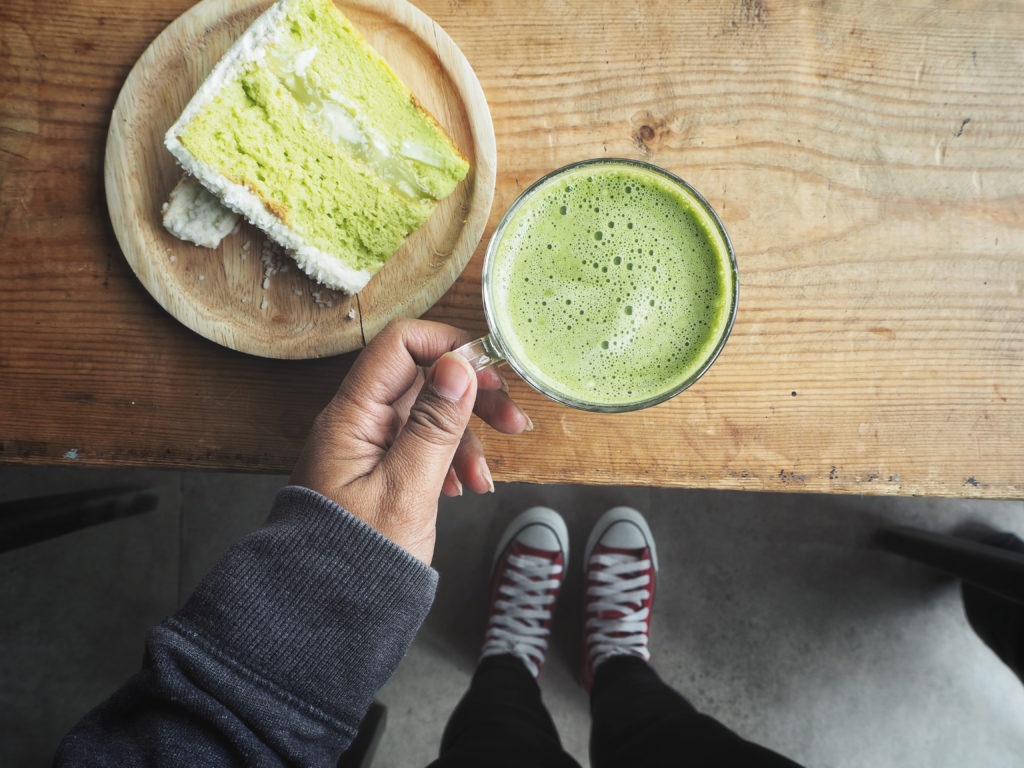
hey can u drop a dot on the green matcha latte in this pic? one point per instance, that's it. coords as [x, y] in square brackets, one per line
[610, 285]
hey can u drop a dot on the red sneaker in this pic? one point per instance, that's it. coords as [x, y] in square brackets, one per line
[529, 566]
[621, 565]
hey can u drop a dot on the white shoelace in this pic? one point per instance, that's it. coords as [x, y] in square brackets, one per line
[619, 586]
[520, 609]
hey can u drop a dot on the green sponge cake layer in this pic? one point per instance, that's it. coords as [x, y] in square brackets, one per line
[254, 135]
[306, 131]
[361, 103]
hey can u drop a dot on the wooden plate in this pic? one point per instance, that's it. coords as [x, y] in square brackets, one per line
[245, 294]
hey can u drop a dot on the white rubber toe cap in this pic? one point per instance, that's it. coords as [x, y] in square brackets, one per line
[539, 528]
[622, 528]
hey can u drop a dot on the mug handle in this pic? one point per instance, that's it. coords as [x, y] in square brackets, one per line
[482, 353]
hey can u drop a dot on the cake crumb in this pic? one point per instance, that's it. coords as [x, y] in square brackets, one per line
[271, 256]
[202, 277]
[324, 299]
[196, 215]
[351, 314]
[264, 304]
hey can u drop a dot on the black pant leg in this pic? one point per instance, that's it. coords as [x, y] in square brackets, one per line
[501, 721]
[638, 720]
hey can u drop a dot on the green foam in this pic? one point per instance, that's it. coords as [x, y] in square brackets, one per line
[612, 285]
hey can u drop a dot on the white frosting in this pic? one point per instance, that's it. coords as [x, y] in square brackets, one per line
[303, 60]
[193, 214]
[340, 125]
[421, 153]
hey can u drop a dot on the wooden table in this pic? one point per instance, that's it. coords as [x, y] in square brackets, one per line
[866, 157]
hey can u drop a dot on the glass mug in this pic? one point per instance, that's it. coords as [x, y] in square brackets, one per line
[594, 260]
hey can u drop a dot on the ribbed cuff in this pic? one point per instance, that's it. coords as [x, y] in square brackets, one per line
[316, 602]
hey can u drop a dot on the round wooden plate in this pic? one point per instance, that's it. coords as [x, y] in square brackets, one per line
[246, 294]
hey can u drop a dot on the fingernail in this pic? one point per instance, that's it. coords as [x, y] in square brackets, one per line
[451, 376]
[486, 472]
[529, 422]
[454, 480]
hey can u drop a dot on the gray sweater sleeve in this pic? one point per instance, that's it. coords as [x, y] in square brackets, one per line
[276, 656]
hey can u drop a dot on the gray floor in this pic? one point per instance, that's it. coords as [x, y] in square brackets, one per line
[773, 614]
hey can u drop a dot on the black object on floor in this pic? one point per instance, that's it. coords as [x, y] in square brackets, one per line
[992, 568]
[28, 521]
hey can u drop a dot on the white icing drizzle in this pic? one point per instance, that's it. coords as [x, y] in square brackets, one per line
[340, 118]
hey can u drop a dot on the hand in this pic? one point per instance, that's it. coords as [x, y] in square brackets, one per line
[394, 438]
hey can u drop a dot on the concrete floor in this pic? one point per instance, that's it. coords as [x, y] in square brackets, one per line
[773, 614]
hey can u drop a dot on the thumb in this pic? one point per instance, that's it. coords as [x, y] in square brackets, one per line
[423, 451]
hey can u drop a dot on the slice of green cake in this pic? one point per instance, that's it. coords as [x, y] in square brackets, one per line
[305, 130]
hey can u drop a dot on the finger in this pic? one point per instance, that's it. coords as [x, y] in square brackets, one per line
[471, 466]
[418, 461]
[502, 413]
[491, 378]
[452, 485]
[387, 367]
[395, 427]
[494, 382]
[404, 402]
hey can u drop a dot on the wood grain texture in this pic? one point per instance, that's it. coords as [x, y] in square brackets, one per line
[246, 294]
[866, 159]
